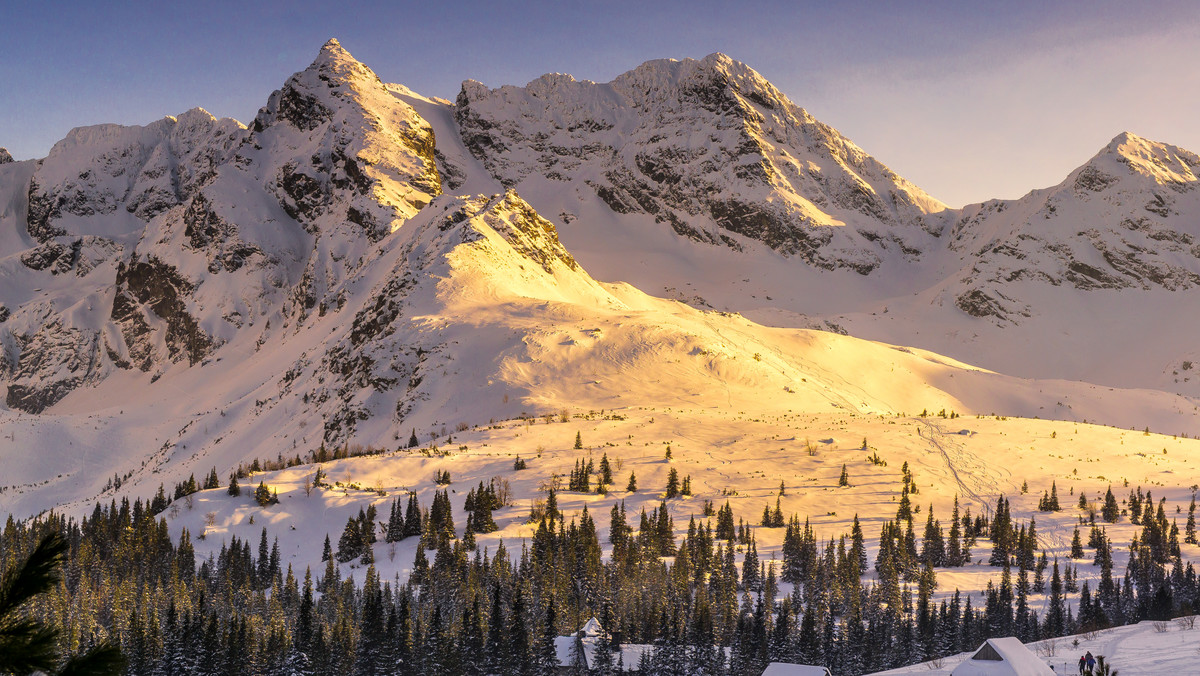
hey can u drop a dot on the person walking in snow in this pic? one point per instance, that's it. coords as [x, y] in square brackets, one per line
[1082, 664]
[1091, 662]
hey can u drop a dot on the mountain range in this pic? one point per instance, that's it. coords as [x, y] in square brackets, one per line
[361, 261]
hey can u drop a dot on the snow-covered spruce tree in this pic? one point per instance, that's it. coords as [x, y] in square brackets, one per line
[412, 517]
[350, 545]
[395, 526]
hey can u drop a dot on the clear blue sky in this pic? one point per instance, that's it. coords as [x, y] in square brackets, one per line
[969, 101]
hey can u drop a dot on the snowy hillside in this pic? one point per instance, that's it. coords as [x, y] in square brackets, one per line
[351, 267]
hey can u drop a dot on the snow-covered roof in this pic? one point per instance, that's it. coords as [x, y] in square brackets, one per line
[629, 654]
[564, 650]
[789, 669]
[1003, 657]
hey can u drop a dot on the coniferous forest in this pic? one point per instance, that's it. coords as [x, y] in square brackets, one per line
[466, 610]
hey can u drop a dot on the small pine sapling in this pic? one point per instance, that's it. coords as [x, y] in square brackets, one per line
[262, 495]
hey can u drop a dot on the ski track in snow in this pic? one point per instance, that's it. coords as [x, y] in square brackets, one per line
[957, 458]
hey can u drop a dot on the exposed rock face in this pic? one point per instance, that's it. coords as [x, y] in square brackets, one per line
[5, 156]
[53, 360]
[709, 147]
[160, 288]
[208, 232]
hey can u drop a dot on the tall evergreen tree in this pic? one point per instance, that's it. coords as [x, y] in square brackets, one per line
[29, 645]
[1111, 510]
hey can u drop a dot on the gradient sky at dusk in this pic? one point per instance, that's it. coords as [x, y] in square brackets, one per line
[967, 100]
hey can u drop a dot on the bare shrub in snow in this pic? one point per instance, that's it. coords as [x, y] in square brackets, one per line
[537, 510]
[503, 490]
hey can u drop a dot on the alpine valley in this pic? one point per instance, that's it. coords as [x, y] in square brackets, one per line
[680, 271]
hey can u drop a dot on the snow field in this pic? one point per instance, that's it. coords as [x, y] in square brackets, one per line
[736, 457]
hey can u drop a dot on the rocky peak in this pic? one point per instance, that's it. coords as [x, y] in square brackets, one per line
[307, 98]
[97, 172]
[709, 148]
[531, 236]
[362, 154]
[710, 81]
[1119, 221]
[5, 156]
[1164, 163]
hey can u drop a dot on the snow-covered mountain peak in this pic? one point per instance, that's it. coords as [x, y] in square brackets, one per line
[512, 219]
[709, 149]
[1123, 220]
[332, 51]
[107, 179]
[671, 79]
[335, 62]
[1166, 164]
[307, 98]
[198, 118]
[362, 155]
